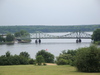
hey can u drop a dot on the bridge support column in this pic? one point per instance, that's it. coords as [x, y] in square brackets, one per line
[78, 41]
[36, 41]
[39, 41]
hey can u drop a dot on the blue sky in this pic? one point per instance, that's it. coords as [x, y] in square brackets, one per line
[49, 12]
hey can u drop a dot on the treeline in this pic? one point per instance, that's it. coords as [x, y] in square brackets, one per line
[22, 58]
[32, 29]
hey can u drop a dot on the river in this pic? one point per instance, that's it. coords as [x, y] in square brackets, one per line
[54, 46]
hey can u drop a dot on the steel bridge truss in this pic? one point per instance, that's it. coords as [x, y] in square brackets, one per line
[72, 35]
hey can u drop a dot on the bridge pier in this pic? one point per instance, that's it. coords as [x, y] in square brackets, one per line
[78, 41]
[38, 41]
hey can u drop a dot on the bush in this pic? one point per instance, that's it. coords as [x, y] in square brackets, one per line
[88, 59]
[48, 57]
[32, 61]
[25, 54]
[62, 62]
[9, 59]
[40, 60]
[66, 58]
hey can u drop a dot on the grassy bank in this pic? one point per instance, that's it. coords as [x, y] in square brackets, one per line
[41, 70]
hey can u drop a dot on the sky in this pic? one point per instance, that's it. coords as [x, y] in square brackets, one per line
[49, 12]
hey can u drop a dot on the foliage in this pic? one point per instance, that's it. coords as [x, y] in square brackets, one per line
[32, 61]
[25, 54]
[48, 57]
[21, 33]
[9, 59]
[96, 35]
[8, 54]
[88, 59]
[40, 59]
[66, 58]
[62, 61]
[1, 38]
[9, 37]
[31, 29]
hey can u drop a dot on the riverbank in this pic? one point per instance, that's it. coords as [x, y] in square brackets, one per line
[8, 43]
[41, 70]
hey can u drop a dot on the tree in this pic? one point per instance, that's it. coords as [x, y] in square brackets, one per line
[64, 59]
[8, 54]
[88, 59]
[21, 33]
[25, 54]
[1, 38]
[9, 37]
[40, 59]
[32, 61]
[96, 35]
[48, 57]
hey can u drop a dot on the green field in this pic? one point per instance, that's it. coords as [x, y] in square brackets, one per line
[41, 70]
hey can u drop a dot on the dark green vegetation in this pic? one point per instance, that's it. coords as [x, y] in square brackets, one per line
[31, 29]
[85, 59]
[8, 39]
[40, 59]
[22, 58]
[21, 33]
[21, 36]
[48, 57]
[66, 58]
[88, 59]
[96, 36]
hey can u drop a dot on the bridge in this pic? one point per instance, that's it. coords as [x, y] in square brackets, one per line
[69, 35]
[72, 35]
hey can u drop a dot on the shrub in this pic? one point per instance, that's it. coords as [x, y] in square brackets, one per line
[88, 59]
[9, 59]
[31, 61]
[48, 57]
[62, 62]
[40, 60]
[25, 54]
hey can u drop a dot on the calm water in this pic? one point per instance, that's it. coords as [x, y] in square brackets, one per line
[54, 46]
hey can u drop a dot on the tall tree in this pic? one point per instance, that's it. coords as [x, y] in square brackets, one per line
[48, 57]
[9, 37]
[96, 35]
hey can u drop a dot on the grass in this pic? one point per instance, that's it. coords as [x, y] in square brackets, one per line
[41, 70]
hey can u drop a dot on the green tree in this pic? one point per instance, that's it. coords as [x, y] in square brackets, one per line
[1, 38]
[96, 35]
[9, 37]
[21, 33]
[24, 54]
[48, 57]
[64, 59]
[40, 59]
[32, 61]
[88, 59]
[8, 54]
